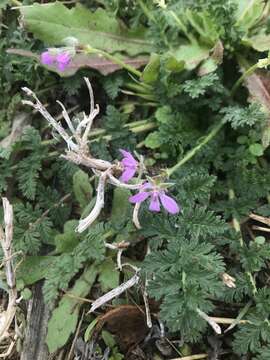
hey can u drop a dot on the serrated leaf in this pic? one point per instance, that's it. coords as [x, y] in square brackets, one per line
[108, 275]
[153, 140]
[55, 22]
[64, 318]
[82, 188]
[256, 149]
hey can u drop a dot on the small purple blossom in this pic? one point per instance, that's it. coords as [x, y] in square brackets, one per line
[129, 165]
[46, 58]
[63, 60]
[60, 60]
[156, 195]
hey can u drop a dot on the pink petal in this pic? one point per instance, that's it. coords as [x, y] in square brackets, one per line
[128, 158]
[169, 203]
[63, 61]
[128, 173]
[46, 58]
[138, 198]
[154, 204]
[147, 185]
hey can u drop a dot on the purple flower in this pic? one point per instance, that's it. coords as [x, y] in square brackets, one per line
[129, 165]
[63, 60]
[156, 196]
[46, 58]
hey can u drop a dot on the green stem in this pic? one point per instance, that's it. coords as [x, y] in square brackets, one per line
[247, 73]
[194, 151]
[114, 59]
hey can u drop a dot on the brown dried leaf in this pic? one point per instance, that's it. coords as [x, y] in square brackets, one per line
[96, 62]
[258, 85]
[127, 323]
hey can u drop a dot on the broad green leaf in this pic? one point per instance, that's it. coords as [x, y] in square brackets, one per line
[151, 71]
[191, 54]
[108, 275]
[249, 13]
[34, 268]
[64, 318]
[82, 188]
[120, 206]
[52, 23]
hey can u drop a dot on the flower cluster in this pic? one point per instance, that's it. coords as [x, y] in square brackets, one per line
[61, 59]
[155, 192]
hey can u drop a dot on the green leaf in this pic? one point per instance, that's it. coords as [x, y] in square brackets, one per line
[64, 318]
[249, 13]
[192, 55]
[120, 206]
[55, 22]
[151, 71]
[34, 268]
[153, 140]
[260, 240]
[82, 188]
[256, 149]
[66, 242]
[172, 64]
[260, 42]
[108, 339]
[108, 275]
[89, 330]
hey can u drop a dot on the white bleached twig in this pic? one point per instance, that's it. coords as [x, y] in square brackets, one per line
[210, 321]
[37, 105]
[6, 237]
[86, 222]
[115, 292]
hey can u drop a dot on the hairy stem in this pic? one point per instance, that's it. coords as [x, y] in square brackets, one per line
[196, 149]
[247, 73]
[114, 59]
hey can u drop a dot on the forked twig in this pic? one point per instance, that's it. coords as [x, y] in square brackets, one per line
[76, 138]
